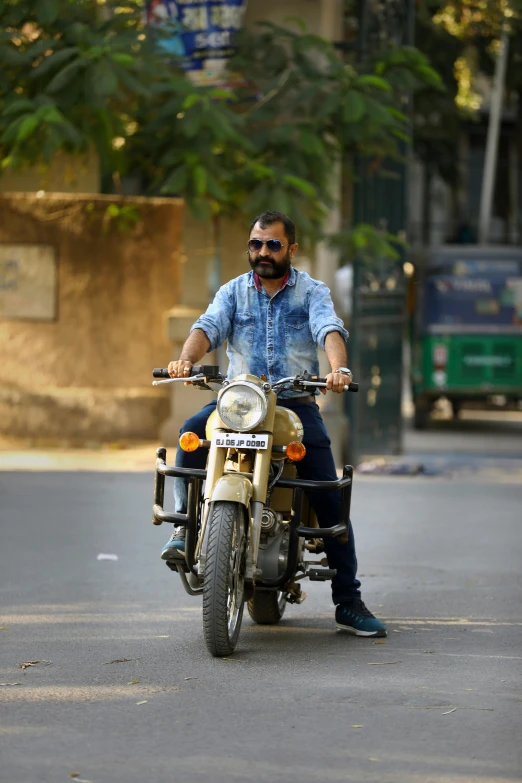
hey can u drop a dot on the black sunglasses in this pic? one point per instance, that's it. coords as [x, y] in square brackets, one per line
[274, 245]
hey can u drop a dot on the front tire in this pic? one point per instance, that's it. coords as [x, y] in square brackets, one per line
[456, 406]
[266, 607]
[421, 415]
[223, 584]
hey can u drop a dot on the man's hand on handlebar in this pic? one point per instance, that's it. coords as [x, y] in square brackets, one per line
[181, 368]
[336, 381]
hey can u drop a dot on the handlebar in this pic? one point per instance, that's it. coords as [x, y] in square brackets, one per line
[321, 382]
[308, 381]
[210, 370]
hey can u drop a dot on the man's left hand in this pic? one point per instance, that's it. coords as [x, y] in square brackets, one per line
[336, 381]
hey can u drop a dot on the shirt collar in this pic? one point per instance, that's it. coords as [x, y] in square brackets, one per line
[289, 279]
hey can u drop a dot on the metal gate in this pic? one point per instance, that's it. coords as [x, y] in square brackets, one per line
[376, 341]
[379, 292]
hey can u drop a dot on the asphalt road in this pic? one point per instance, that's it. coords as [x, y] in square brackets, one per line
[440, 700]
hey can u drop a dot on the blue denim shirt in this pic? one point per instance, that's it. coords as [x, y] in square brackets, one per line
[274, 336]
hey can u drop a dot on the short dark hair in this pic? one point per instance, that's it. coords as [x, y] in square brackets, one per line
[266, 219]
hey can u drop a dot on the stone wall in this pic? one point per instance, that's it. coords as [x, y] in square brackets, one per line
[84, 374]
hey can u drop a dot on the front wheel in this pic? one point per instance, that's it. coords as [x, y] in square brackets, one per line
[456, 406]
[267, 607]
[421, 414]
[223, 584]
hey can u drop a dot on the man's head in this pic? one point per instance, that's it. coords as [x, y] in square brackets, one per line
[271, 244]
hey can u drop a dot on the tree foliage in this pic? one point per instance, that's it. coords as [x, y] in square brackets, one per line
[72, 74]
[461, 39]
[79, 74]
[314, 109]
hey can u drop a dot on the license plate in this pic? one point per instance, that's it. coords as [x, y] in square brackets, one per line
[239, 440]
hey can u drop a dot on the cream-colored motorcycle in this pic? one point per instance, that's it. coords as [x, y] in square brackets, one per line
[249, 525]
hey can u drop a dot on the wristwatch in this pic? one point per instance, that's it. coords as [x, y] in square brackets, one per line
[344, 371]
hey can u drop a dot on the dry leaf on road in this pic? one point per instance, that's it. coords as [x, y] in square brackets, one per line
[432, 707]
[26, 664]
[121, 660]
[383, 663]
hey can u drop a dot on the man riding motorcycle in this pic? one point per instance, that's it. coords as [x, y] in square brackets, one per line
[274, 317]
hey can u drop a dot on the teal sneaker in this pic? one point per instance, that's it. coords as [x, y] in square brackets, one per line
[174, 549]
[355, 618]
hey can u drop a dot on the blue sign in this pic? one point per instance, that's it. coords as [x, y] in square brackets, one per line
[201, 32]
[455, 301]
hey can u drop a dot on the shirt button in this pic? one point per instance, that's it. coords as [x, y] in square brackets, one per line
[270, 323]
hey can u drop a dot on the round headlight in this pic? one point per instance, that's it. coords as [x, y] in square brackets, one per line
[242, 406]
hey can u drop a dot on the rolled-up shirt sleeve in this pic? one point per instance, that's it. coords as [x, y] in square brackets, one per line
[216, 322]
[322, 317]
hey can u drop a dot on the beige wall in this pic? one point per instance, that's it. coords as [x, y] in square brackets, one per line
[64, 175]
[87, 374]
[278, 11]
[197, 255]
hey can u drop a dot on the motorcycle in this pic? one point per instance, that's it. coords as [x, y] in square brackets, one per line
[249, 524]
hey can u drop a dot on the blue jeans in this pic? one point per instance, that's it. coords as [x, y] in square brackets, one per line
[318, 465]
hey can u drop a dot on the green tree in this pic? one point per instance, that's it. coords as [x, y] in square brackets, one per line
[298, 110]
[80, 74]
[73, 72]
[460, 38]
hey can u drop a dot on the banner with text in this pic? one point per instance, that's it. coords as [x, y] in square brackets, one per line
[201, 33]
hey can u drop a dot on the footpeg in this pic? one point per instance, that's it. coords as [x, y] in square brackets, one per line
[320, 574]
[176, 565]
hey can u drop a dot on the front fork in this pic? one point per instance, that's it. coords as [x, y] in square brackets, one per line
[234, 490]
[260, 488]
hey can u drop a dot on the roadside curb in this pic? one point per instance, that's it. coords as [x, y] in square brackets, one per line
[132, 459]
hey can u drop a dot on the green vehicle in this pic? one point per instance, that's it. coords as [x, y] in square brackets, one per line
[467, 332]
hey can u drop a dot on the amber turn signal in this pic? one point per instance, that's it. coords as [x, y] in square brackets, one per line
[295, 451]
[189, 441]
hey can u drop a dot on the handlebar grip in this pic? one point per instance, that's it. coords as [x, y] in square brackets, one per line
[197, 369]
[210, 370]
[353, 387]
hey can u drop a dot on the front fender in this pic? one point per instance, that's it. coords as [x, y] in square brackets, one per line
[234, 488]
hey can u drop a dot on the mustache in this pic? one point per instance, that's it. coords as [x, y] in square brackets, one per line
[259, 260]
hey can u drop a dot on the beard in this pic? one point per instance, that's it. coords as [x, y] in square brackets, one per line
[270, 268]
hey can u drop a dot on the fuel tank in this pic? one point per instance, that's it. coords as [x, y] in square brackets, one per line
[287, 427]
